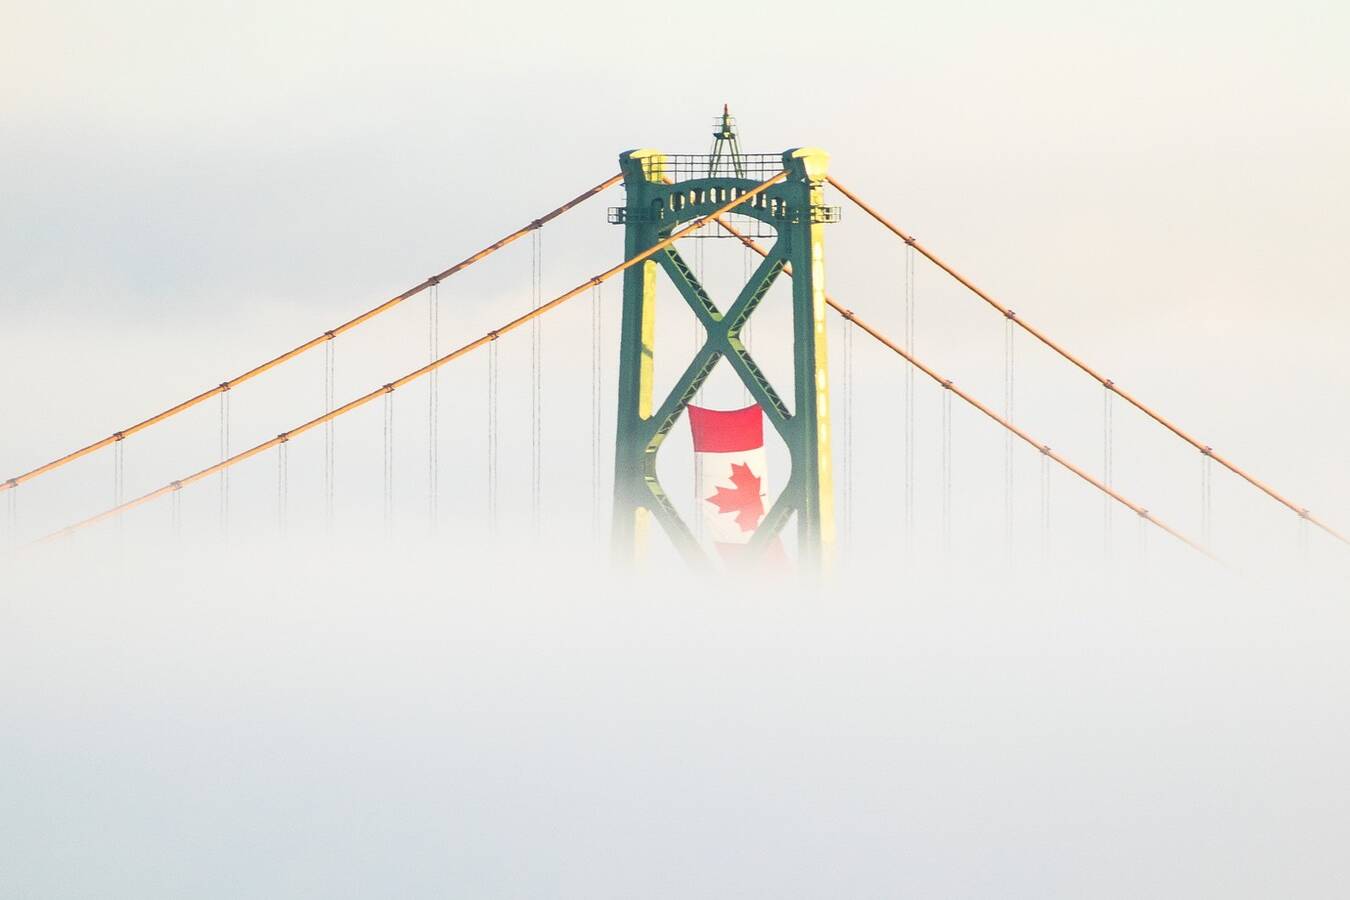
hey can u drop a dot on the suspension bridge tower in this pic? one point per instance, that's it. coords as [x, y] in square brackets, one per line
[665, 191]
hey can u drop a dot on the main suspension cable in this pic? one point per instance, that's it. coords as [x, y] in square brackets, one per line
[309, 345]
[1080, 364]
[976, 404]
[742, 196]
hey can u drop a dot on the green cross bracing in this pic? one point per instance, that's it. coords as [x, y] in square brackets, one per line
[793, 208]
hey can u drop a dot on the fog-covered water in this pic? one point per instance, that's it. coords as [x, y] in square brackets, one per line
[250, 720]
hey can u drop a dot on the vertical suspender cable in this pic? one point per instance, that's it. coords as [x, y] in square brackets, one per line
[1045, 506]
[1206, 501]
[697, 325]
[224, 455]
[909, 396]
[329, 436]
[848, 433]
[285, 485]
[1107, 465]
[596, 401]
[699, 274]
[536, 383]
[946, 474]
[1009, 370]
[492, 437]
[12, 514]
[119, 473]
[176, 514]
[745, 329]
[388, 461]
[1143, 539]
[697, 513]
[433, 407]
[281, 488]
[698, 338]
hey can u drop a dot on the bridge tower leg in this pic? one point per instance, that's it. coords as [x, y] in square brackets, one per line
[664, 192]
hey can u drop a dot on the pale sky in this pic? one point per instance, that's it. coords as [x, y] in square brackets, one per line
[1159, 186]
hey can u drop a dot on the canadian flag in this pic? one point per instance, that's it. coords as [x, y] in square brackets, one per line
[731, 474]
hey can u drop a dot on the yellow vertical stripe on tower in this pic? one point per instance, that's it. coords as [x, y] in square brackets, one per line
[816, 163]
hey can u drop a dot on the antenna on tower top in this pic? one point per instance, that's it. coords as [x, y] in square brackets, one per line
[726, 149]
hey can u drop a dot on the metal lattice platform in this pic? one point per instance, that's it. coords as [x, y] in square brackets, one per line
[688, 166]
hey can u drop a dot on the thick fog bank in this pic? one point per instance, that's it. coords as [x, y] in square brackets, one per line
[434, 721]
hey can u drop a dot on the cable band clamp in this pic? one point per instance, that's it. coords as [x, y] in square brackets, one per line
[13, 483]
[1109, 385]
[910, 240]
[1009, 314]
[1206, 451]
[176, 485]
[947, 385]
[331, 334]
[119, 436]
[284, 437]
[389, 388]
[224, 386]
[493, 335]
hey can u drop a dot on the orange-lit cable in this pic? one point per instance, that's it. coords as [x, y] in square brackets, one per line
[947, 384]
[430, 367]
[311, 344]
[1101, 379]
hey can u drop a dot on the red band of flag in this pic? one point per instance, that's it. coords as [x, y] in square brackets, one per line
[726, 430]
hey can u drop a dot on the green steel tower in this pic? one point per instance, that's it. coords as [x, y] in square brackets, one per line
[663, 192]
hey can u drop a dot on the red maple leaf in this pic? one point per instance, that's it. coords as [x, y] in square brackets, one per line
[743, 499]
